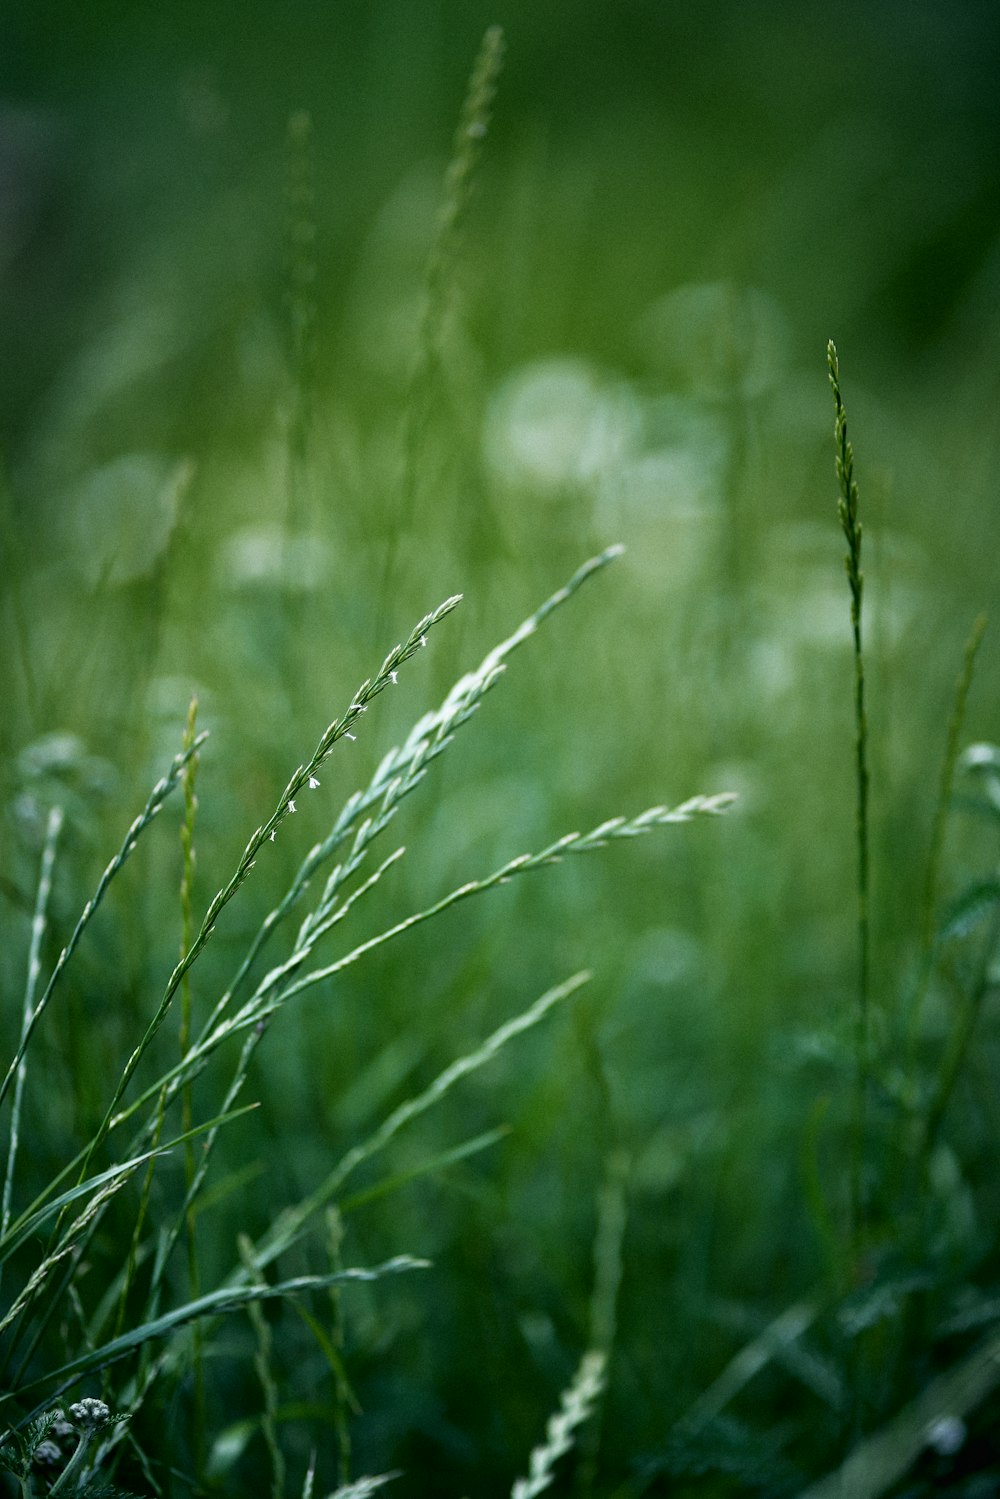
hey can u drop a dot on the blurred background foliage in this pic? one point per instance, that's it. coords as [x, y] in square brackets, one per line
[221, 477]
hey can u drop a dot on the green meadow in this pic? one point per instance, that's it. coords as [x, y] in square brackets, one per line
[499, 750]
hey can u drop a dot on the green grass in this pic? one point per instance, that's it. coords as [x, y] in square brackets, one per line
[148, 1337]
[347, 1145]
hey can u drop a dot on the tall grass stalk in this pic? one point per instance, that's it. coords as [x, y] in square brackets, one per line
[188, 783]
[39, 922]
[847, 509]
[344, 1401]
[300, 296]
[439, 282]
[263, 1361]
[612, 1217]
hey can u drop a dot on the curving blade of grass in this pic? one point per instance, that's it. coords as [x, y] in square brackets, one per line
[224, 1300]
[291, 1224]
[32, 1220]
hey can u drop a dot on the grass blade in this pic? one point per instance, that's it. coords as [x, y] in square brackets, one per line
[38, 924]
[224, 1300]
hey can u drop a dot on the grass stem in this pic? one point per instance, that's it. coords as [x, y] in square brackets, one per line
[847, 510]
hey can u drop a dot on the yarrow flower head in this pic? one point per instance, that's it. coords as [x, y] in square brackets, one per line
[90, 1413]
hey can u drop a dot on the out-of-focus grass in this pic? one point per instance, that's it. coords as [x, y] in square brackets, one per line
[674, 210]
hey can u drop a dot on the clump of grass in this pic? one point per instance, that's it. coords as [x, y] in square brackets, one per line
[134, 1321]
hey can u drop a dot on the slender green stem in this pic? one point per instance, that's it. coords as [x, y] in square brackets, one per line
[472, 130]
[847, 509]
[184, 1040]
[300, 295]
[342, 1397]
[38, 925]
[262, 1363]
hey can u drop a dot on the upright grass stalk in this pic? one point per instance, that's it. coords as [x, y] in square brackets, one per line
[300, 297]
[473, 127]
[38, 925]
[847, 509]
[262, 1363]
[344, 1400]
[301, 323]
[188, 781]
[612, 1216]
[135, 1246]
